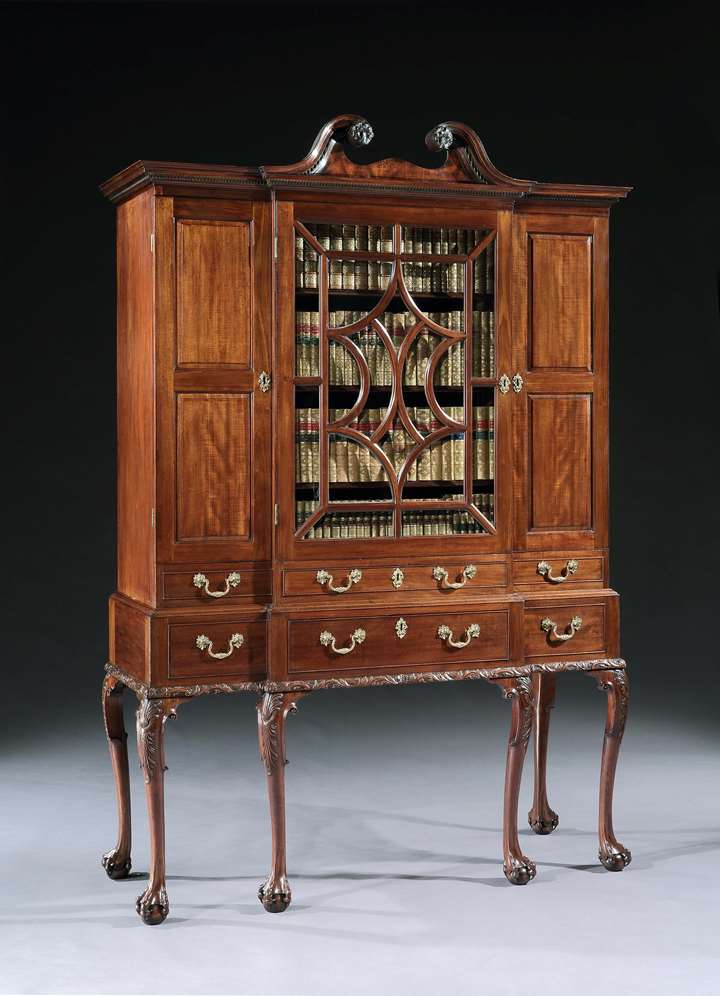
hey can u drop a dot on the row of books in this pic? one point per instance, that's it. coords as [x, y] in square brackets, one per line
[343, 368]
[379, 238]
[420, 276]
[350, 461]
[354, 525]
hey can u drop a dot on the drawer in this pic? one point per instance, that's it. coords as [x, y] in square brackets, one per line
[394, 578]
[232, 582]
[372, 642]
[239, 643]
[584, 625]
[558, 571]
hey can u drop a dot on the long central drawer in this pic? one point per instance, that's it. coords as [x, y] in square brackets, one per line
[368, 641]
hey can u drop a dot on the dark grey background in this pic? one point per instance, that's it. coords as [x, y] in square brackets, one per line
[394, 795]
[624, 96]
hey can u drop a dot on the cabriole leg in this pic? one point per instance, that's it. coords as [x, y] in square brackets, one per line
[541, 817]
[612, 854]
[117, 861]
[518, 869]
[152, 714]
[273, 709]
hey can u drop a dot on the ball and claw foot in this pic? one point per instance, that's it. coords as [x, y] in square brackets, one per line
[543, 824]
[615, 858]
[116, 867]
[520, 872]
[153, 907]
[275, 895]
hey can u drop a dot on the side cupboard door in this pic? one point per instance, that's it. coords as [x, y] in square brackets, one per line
[213, 358]
[560, 291]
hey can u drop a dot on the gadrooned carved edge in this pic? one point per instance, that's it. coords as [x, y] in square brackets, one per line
[520, 689]
[616, 684]
[365, 681]
[433, 677]
[181, 691]
[272, 709]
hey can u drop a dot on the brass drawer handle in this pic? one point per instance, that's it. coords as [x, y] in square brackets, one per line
[354, 577]
[441, 575]
[231, 581]
[328, 640]
[471, 633]
[546, 570]
[203, 642]
[549, 626]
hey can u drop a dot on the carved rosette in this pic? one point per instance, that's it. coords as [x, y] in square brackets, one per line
[520, 689]
[360, 133]
[440, 138]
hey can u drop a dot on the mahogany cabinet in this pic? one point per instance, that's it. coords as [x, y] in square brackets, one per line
[362, 440]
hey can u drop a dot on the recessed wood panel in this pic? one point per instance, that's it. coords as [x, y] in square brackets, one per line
[213, 465]
[560, 302]
[214, 299]
[561, 461]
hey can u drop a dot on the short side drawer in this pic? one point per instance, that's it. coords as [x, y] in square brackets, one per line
[558, 571]
[214, 586]
[387, 642]
[240, 644]
[571, 627]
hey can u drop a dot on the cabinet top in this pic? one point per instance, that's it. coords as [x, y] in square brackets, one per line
[466, 171]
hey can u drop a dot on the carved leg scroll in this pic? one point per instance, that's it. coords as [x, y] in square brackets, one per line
[541, 817]
[518, 869]
[273, 709]
[152, 715]
[612, 854]
[117, 861]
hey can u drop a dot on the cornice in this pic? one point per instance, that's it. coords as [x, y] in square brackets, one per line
[466, 170]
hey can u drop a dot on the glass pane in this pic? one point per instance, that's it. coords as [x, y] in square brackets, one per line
[303, 510]
[483, 438]
[307, 343]
[347, 525]
[483, 344]
[440, 279]
[307, 446]
[450, 371]
[446, 522]
[306, 265]
[485, 503]
[418, 357]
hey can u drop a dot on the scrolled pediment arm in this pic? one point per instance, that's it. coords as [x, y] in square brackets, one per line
[454, 137]
[351, 128]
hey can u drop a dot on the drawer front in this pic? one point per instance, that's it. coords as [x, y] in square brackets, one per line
[191, 646]
[216, 586]
[431, 577]
[388, 642]
[559, 571]
[584, 625]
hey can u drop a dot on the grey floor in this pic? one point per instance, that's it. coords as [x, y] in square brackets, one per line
[394, 853]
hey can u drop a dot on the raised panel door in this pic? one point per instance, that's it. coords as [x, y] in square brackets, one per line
[214, 307]
[560, 354]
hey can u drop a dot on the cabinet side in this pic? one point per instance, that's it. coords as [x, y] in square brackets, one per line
[136, 398]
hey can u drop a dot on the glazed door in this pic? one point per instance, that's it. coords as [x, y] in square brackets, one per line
[392, 327]
[560, 362]
[213, 315]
